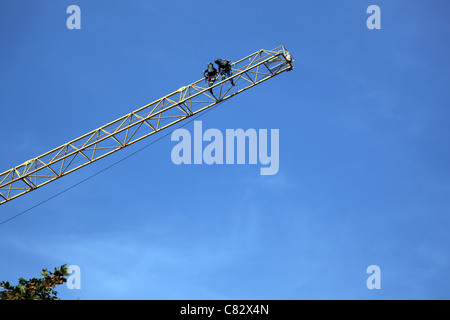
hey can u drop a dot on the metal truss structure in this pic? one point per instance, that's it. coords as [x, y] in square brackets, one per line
[142, 123]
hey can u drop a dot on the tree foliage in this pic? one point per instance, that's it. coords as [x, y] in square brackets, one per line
[35, 288]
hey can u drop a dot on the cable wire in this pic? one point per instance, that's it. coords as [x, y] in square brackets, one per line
[110, 166]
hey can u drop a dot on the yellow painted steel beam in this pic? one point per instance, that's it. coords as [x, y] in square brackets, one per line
[141, 123]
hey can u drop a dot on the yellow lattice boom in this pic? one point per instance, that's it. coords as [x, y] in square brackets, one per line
[142, 123]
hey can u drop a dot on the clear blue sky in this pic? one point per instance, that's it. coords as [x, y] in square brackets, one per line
[364, 173]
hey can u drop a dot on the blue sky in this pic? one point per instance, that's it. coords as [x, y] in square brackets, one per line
[363, 178]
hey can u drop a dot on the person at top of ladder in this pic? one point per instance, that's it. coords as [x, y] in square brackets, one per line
[224, 69]
[210, 75]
